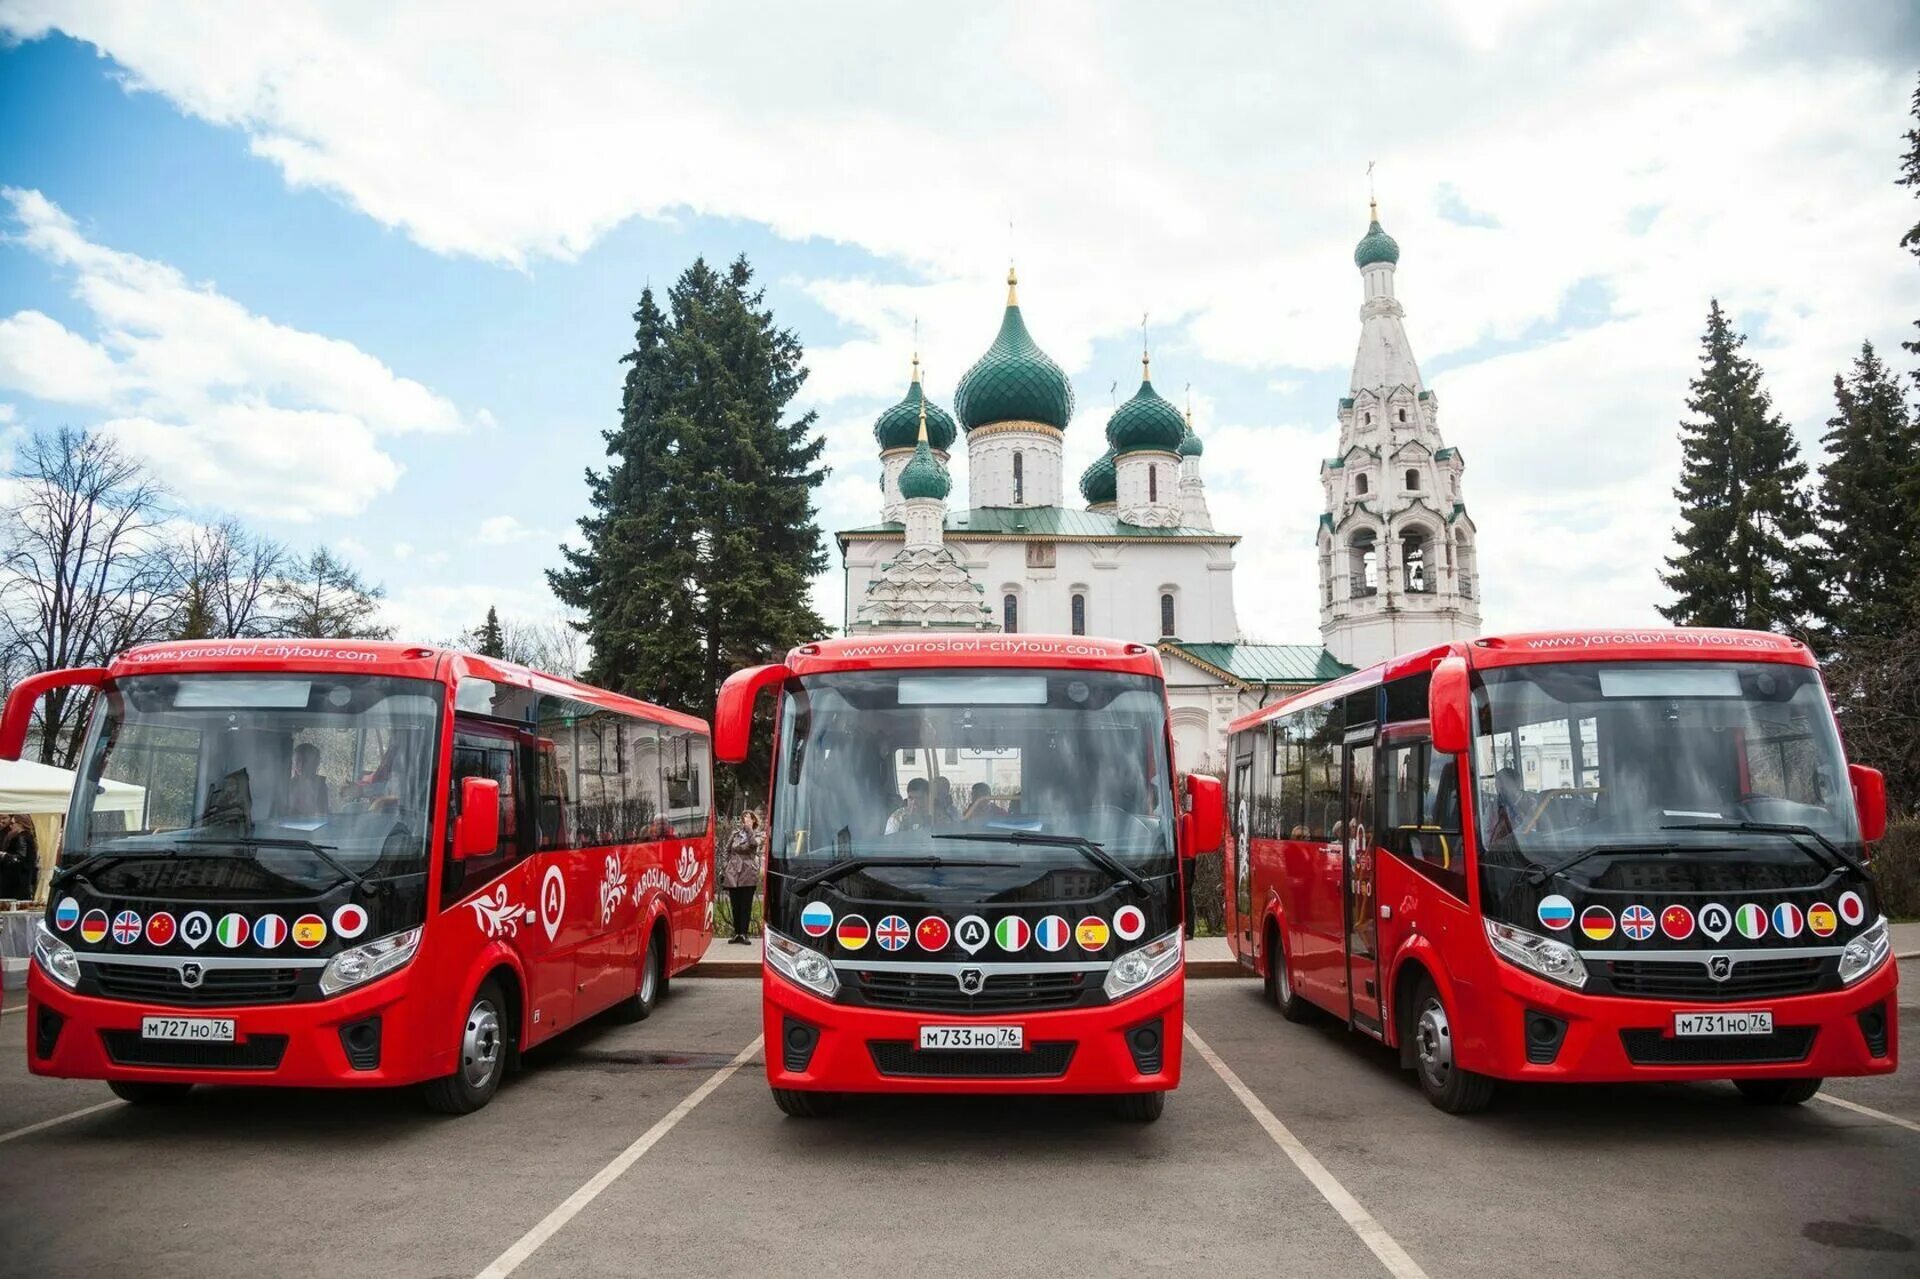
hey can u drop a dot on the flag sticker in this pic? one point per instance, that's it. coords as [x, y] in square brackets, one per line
[1052, 934]
[1787, 920]
[232, 931]
[126, 928]
[196, 928]
[1716, 921]
[350, 921]
[892, 933]
[269, 931]
[1012, 933]
[94, 927]
[160, 928]
[853, 932]
[66, 914]
[1637, 922]
[933, 933]
[1556, 912]
[1751, 921]
[1677, 922]
[309, 931]
[1853, 908]
[971, 933]
[1129, 922]
[1597, 923]
[1091, 933]
[1821, 921]
[817, 919]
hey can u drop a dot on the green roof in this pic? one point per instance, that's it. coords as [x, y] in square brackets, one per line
[899, 426]
[1014, 381]
[923, 476]
[1265, 663]
[1097, 481]
[1043, 521]
[1346, 401]
[1441, 455]
[1375, 246]
[1146, 423]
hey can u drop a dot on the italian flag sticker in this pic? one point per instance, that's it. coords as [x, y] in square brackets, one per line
[232, 931]
[1751, 921]
[1012, 933]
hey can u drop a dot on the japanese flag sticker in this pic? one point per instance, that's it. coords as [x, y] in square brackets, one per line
[350, 921]
[1853, 908]
[1129, 922]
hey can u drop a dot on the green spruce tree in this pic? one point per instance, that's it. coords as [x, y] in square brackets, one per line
[1745, 519]
[489, 641]
[1869, 519]
[1910, 177]
[701, 542]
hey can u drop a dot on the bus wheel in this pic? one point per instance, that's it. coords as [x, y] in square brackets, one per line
[1778, 1092]
[1280, 991]
[806, 1105]
[653, 983]
[1140, 1107]
[1456, 1091]
[139, 1093]
[482, 1058]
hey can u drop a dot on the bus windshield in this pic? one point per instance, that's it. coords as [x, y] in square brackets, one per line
[892, 769]
[254, 785]
[1645, 757]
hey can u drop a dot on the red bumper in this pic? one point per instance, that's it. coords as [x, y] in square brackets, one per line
[314, 1055]
[1593, 1050]
[1100, 1060]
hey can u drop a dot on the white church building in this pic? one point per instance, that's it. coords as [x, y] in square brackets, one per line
[1141, 559]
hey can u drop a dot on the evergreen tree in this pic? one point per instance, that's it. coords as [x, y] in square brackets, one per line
[701, 543]
[1910, 177]
[1745, 520]
[324, 597]
[488, 641]
[1869, 518]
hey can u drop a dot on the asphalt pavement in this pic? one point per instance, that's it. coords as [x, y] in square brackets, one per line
[654, 1148]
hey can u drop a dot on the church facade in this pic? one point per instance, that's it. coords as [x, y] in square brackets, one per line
[1139, 558]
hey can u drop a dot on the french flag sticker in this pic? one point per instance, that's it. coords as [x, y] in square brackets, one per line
[1052, 934]
[269, 931]
[817, 919]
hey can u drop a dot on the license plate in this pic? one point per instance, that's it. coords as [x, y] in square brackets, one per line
[972, 1037]
[198, 1029]
[1749, 1023]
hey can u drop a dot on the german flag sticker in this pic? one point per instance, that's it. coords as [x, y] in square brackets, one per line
[1597, 922]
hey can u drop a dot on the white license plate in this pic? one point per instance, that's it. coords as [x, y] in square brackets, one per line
[1748, 1023]
[199, 1029]
[972, 1037]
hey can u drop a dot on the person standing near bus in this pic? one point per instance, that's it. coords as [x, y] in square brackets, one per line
[740, 872]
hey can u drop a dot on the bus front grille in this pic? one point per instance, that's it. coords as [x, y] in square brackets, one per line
[1688, 979]
[162, 985]
[256, 1052]
[1656, 1048]
[900, 1059]
[938, 992]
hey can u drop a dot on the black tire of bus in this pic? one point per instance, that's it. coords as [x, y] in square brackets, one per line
[797, 1104]
[1140, 1107]
[142, 1093]
[455, 1094]
[1280, 991]
[646, 993]
[1778, 1092]
[1456, 1091]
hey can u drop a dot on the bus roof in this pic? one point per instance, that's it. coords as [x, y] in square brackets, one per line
[889, 652]
[372, 657]
[1634, 644]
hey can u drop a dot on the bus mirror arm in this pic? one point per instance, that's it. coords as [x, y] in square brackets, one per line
[1205, 821]
[733, 711]
[1447, 698]
[18, 716]
[476, 831]
[1869, 800]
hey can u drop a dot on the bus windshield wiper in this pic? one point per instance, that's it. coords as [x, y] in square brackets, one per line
[1541, 874]
[841, 869]
[1792, 832]
[1095, 853]
[63, 875]
[322, 851]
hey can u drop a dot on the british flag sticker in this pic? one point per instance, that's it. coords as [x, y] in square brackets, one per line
[892, 933]
[1637, 922]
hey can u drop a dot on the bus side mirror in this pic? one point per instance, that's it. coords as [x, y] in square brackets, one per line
[1869, 800]
[733, 713]
[18, 716]
[476, 832]
[1206, 816]
[1447, 706]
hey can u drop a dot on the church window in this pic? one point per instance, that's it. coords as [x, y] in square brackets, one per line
[1413, 481]
[1010, 614]
[1413, 556]
[1403, 415]
[1167, 629]
[1153, 483]
[1360, 485]
[1363, 570]
[1079, 615]
[1369, 421]
[1019, 479]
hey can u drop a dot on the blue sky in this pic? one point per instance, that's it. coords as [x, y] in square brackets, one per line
[367, 283]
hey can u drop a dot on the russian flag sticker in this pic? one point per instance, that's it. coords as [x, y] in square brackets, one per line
[853, 932]
[269, 931]
[1787, 920]
[1556, 912]
[350, 921]
[1129, 922]
[817, 919]
[66, 914]
[1853, 908]
[1052, 934]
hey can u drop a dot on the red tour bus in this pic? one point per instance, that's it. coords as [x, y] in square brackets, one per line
[322, 863]
[974, 868]
[1581, 857]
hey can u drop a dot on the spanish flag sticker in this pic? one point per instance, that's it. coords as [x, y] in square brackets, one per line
[309, 931]
[1092, 933]
[1821, 920]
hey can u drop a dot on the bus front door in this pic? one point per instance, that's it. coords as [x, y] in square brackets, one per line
[1362, 909]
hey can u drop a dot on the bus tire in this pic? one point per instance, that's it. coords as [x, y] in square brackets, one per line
[646, 995]
[482, 1054]
[1280, 991]
[1140, 1107]
[1456, 1091]
[140, 1092]
[1778, 1092]
[797, 1104]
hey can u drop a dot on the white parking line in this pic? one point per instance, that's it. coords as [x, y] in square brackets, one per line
[1371, 1232]
[507, 1262]
[7, 1012]
[1868, 1111]
[57, 1119]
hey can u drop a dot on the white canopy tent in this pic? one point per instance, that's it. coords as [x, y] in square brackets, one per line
[41, 792]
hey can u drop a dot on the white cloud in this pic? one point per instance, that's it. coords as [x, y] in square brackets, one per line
[501, 530]
[43, 358]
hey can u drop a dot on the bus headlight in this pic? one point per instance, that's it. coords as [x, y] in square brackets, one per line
[1551, 959]
[1865, 953]
[55, 957]
[1143, 966]
[362, 964]
[800, 965]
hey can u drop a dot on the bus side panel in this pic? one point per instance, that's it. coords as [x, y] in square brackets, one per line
[692, 918]
[1427, 925]
[1315, 908]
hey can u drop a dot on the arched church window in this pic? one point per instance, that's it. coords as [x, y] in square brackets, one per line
[1413, 481]
[1360, 485]
[1079, 615]
[1368, 421]
[1464, 559]
[1019, 479]
[1413, 558]
[1403, 415]
[1167, 628]
[1363, 569]
[1010, 614]
[1153, 482]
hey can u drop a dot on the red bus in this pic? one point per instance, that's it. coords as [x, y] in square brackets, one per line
[974, 869]
[322, 863]
[1578, 856]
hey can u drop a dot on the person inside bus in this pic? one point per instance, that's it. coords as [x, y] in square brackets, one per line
[306, 789]
[915, 813]
[943, 809]
[1509, 804]
[980, 806]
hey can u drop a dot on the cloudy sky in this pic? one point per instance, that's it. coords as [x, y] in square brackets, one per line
[362, 273]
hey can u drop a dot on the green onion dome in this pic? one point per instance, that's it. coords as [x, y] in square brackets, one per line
[1146, 423]
[923, 476]
[1376, 245]
[1190, 445]
[1014, 381]
[899, 426]
[1097, 481]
